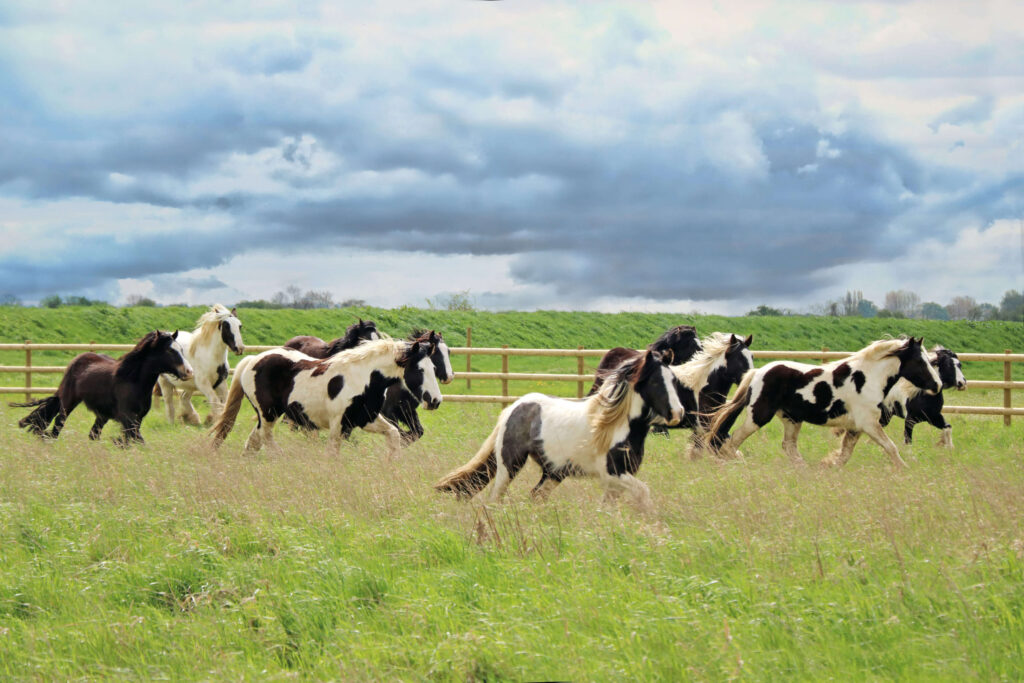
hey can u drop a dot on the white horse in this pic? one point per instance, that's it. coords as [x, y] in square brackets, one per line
[847, 394]
[206, 349]
[601, 436]
[317, 393]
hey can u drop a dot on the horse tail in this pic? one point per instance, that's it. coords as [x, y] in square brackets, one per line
[469, 479]
[39, 419]
[226, 420]
[723, 418]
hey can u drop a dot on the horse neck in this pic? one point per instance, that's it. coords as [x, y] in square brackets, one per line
[342, 344]
[883, 371]
[142, 372]
[209, 346]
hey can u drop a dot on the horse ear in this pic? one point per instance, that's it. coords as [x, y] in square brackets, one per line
[234, 312]
[733, 340]
[175, 335]
[748, 341]
[667, 356]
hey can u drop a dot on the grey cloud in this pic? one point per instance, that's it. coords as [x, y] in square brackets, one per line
[978, 111]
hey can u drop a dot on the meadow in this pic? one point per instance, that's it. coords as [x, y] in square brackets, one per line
[174, 561]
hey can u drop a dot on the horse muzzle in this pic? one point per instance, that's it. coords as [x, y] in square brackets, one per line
[961, 386]
[184, 373]
[676, 418]
[448, 381]
[431, 403]
[239, 350]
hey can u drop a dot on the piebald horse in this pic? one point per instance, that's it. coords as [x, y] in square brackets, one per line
[316, 393]
[847, 394]
[601, 436]
[206, 349]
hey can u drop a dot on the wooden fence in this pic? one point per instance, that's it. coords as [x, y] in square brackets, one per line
[582, 379]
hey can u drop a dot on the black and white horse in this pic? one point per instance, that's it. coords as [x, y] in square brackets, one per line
[317, 393]
[358, 332]
[676, 345]
[914, 405]
[400, 406]
[601, 436]
[704, 381]
[206, 349]
[847, 394]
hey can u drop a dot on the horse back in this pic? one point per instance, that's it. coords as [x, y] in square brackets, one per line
[311, 346]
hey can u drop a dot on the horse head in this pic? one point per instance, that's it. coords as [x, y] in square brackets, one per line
[738, 359]
[654, 383]
[231, 333]
[947, 364]
[677, 345]
[418, 375]
[916, 368]
[170, 357]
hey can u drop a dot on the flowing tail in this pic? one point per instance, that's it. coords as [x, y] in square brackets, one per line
[39, 419]
[226, 420]
[472, 477]
[723, 418]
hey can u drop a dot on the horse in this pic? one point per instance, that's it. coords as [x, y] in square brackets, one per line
[206, 349]
[703, 383]
[914, 406]
[119, 390]
[364, 330]
[848, 394]
[600, 436]
[317, 393]
[399, 404]
[676, 345]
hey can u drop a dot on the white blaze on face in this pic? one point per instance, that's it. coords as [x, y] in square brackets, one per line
[431, 389]
[235, 326]
[374, 336]
[961, 381]
[443, 348]
[932, 370]
[750, 358]
[675, 407]
[181, 354]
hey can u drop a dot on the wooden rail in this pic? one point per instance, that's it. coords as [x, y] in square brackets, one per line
[581, 378]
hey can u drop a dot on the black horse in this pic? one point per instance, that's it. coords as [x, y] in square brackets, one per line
[120, 390]
[400, 405]
[914, 405]
[364, 330]
[677, 345]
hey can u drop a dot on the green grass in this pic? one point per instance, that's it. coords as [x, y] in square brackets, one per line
[171, 561]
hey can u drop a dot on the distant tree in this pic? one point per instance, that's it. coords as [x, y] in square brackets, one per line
[866, 308]
[1012, 306]
[9, 300]
[765, 310]
[138, 300]
[933, 311]
[256, 303]
[315, 299]
[962, 308]
[987, 311]
[903, 301]
[352, 303]
[457, 301]
[851, 302]
[52, 301]
[886, 313]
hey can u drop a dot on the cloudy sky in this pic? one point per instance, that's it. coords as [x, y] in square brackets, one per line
[633, 156]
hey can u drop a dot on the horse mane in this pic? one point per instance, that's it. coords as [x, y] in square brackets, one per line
[369, 350]
[694, 372]
[668, 337]
[878, 350]
[130, 364]
[208, 324]
[418, 334]
[610, 406]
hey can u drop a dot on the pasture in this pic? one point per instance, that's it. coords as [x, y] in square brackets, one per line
[174, 561]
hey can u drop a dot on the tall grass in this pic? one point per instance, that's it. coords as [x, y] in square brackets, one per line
[173, 561]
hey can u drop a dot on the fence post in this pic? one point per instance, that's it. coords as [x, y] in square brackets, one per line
[579, 371]
[824, 350]
[504, 370]
[1006, 391]
[469, 358]
[28, 373]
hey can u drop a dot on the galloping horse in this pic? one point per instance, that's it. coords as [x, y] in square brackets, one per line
[119, 390]
[914, 406]
[364, 330]
[317, 393]
[703, 382]
[848, 394]
[206, 349]
[601, 436]
[676, 345]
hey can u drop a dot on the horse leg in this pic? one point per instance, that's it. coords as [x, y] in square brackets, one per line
[638, 491]
[62, 416]
[217, 404]
[97, 427]
[908, 431]
[841, 456]
[390, 432]
[542, 491]
[730, 445]
[510, 456]
[789, 441]
[946, 439]
[878, 435]
[255, 440]
[168, 392]
[188, 411]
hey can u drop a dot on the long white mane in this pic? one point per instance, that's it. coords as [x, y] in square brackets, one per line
[694, 372]
[209, 322]
[369, 350]
[878, 350]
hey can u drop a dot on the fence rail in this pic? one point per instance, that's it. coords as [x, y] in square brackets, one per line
[581, 378]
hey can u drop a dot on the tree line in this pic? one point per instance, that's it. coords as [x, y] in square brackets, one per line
[902, 303]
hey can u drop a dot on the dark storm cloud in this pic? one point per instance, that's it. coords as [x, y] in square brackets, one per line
[721, 189]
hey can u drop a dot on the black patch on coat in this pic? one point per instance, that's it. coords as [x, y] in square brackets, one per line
[858, 380]
[840, 374]
[521, 437]
[838, 408]
[366, 406]
[296, 412]
[822, 394]
[626, 456]
[334, 386]
[889, 384]
[274, 377]
[400, 409]
[815, 372]
[222, 374]
[780, 382]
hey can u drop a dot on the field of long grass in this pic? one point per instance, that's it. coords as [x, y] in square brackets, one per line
[173, 561]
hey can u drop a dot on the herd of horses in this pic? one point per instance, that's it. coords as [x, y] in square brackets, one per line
[368, 380]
